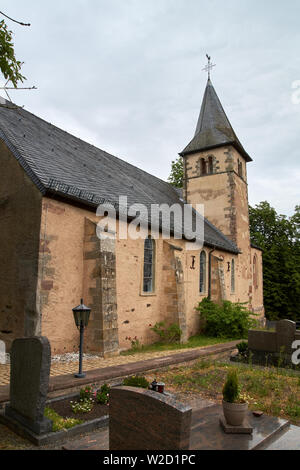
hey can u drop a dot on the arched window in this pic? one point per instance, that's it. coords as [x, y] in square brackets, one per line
[210, 165]
[203, 166]
[255, 273]
[202, 272]
[149, 265]
[232, 275]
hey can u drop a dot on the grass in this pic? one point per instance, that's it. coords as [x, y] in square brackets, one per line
[60, 423]
[193, 342]
[272, 390]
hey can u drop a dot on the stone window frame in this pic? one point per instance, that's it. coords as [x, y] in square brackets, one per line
[210, 164]
[203, 166]
[206, 165]
[153, 266]
[232, 273]
[203, 273]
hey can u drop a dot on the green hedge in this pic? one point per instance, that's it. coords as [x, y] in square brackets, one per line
[227, 320]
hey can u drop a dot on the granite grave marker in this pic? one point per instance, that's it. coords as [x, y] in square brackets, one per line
[141, 419]
[29, 380]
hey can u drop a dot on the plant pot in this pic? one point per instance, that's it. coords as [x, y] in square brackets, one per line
[235, 413]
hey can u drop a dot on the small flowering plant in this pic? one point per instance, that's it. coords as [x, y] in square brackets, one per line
[88, 396]
[135, 342]
[82, 406]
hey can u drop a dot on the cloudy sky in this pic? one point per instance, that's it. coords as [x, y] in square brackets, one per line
[126, 75]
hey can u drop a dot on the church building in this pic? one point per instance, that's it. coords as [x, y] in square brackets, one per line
[51, 255]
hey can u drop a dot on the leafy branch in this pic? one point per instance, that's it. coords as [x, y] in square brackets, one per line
[9, 65]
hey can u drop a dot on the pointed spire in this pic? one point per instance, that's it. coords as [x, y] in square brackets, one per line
[213, 127]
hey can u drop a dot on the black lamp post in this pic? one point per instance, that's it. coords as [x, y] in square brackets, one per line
[81, 318]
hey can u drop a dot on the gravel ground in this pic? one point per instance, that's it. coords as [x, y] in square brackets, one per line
[72, 357]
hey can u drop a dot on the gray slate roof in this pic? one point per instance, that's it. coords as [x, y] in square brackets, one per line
[213, 127]
[65, 166]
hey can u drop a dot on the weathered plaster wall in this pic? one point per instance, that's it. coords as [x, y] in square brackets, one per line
[224, 194]
[70, 256]
[138, 310]
[70, 267]
[20, 213]
[62, 273]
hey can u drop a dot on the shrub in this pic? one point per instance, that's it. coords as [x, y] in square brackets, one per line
[227, 320]
[102, 395]
[231, 387]
[242, 348]
[86, 393]
[172, 334]
[136, 381]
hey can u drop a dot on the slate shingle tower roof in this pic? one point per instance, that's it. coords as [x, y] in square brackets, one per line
[213, 127]
[62, 165]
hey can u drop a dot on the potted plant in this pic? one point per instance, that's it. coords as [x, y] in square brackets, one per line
[234, 408]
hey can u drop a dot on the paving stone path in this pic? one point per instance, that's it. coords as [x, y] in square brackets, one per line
[64, 368]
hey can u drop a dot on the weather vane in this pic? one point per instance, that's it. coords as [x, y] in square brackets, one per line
[209, 66]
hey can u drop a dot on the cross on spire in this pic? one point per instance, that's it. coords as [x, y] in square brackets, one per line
[209, 66]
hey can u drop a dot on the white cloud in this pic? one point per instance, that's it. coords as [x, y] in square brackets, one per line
[127, 77]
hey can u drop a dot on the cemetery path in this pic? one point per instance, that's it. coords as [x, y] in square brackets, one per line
[100, 369]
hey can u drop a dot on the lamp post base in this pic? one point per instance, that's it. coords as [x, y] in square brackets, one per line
[79, 376]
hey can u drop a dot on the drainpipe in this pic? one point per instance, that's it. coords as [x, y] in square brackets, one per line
[209, 272]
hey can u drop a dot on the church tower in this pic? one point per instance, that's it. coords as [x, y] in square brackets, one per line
[215, 172]
[215, 175]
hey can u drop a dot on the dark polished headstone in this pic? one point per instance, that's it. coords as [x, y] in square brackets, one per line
[141, 419]
[29, 381]
[285, 333]
[207, 434]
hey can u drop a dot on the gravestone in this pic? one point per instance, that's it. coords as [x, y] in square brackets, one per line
[141, 419]
[285, 334]
[29, 380]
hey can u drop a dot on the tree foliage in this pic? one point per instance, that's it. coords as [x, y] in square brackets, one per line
[9, 65]
[176, 175]
[279, 237]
